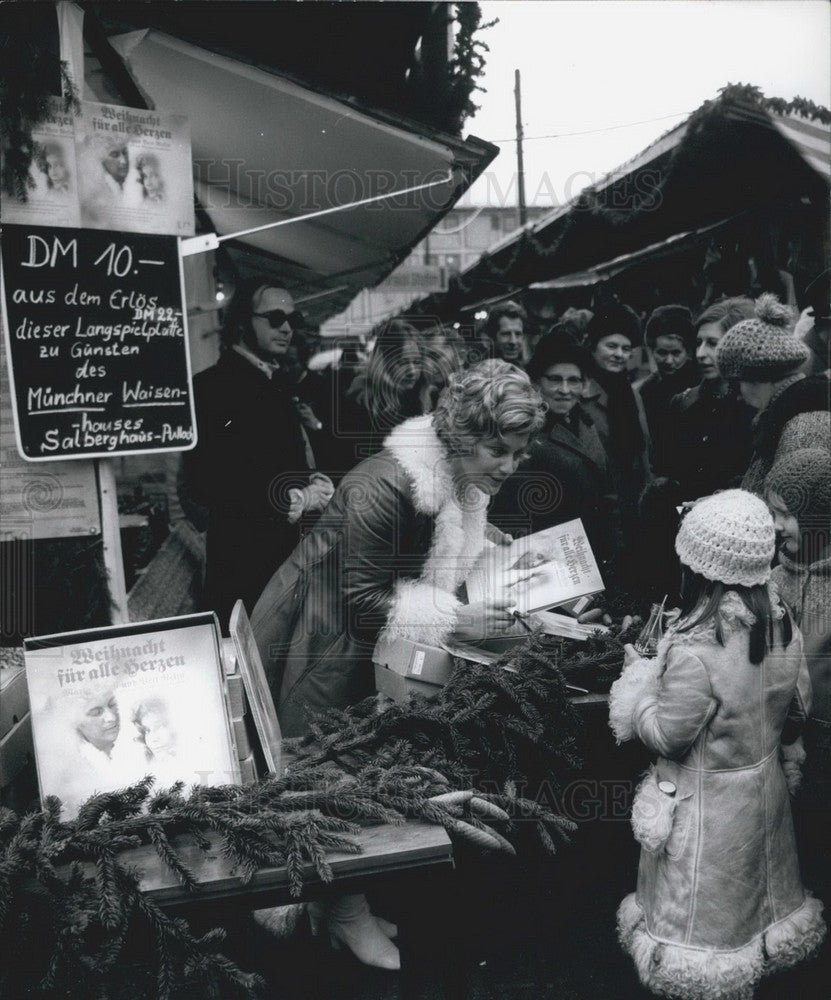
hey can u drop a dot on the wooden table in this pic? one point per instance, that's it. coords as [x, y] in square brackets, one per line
[387, 850]
[411, 856]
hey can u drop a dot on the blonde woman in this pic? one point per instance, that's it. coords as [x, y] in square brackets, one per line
[390, 553]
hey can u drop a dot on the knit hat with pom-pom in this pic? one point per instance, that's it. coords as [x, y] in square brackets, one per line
[728, 537]
[802, 479]
[762, 349]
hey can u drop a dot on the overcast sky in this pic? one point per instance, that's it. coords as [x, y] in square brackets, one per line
[593, 65]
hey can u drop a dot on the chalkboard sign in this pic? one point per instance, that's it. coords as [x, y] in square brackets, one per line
[97, 342]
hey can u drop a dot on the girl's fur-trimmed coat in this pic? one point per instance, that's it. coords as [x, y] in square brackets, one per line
[719, 901]
[389, 552]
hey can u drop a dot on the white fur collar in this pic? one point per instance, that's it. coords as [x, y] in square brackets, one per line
[734, 616]
[425, 609]
[417, 449]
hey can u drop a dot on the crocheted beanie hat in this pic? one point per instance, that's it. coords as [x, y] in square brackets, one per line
[802, 478]
[729, 537]
[762, 349]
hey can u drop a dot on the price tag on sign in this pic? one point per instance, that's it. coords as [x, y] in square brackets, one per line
[97, 343]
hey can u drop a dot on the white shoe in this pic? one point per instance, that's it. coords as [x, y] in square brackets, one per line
[387, 926]
[349, 922]
[317, 921]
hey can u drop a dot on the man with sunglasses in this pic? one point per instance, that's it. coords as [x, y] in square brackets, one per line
[249, 479]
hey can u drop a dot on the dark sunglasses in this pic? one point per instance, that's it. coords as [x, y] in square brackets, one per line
[277, 317]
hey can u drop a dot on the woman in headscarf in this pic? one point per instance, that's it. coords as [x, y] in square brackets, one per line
[566, 474]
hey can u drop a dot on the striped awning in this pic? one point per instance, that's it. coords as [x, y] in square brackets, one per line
[811, 138]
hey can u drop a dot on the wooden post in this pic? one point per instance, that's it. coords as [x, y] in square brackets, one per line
[523, 215]
[111, 535]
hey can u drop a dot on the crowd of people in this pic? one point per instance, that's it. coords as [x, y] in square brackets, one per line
[621, 452]
[350, 504]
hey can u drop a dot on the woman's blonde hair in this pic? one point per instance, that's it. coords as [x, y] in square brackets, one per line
[489, 400]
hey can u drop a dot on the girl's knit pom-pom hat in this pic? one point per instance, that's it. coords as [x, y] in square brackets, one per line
[762, 349]
[728, 537]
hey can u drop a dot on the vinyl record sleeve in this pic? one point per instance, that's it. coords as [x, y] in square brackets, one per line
[112, 705]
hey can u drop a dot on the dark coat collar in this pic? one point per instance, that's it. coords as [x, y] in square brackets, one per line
[804, 396]
[584, 439]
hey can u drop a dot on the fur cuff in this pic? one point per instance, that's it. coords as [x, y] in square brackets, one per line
[638, 681]
[792, 756]
[422, 613]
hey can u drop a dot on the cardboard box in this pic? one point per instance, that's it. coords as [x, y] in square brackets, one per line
[14, 698]
[415, 660]
[399, 688]
[16, 750]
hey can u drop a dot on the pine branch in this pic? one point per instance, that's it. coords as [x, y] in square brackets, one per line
[171, 859]
[9, 823]
[165, 977]
[110, 905]
[294, 865]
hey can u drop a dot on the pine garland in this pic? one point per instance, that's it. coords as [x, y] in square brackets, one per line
[467, 64]
[490, 730]
[528, 258]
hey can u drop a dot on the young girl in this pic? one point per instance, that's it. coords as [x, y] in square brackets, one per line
[798, 490]
[719, 902]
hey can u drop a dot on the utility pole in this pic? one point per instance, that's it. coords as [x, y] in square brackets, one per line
[523, 215]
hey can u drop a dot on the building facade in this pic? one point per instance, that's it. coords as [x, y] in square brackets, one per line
[456, 243]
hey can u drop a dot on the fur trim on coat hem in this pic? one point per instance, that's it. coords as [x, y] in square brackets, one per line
[680, 972]
[796, 937]
[639, 680]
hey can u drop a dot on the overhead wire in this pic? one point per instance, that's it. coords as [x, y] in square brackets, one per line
[591, 131]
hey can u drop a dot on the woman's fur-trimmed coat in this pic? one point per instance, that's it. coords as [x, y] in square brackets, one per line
[389, 552]
[719, 901]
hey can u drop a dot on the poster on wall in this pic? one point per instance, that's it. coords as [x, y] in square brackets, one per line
[112, 705]
[52, 180]
[135, 170]
[108, 167]
[97, 344]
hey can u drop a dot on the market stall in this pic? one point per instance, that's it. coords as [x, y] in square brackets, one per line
[99, 362]
[718, 205]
